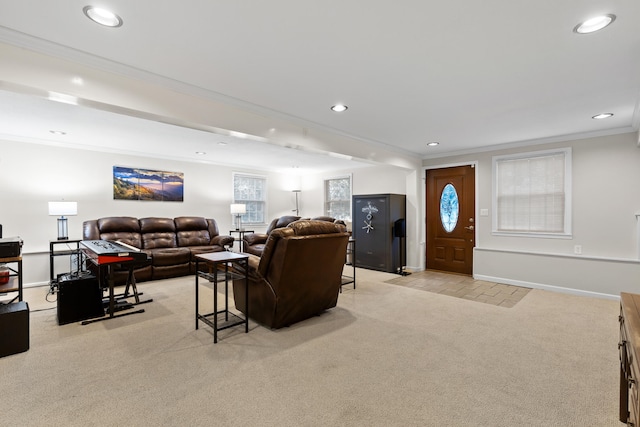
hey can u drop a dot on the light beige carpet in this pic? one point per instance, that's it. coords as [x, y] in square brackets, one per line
[386, 356]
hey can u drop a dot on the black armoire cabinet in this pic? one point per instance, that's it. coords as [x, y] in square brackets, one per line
[379, 228]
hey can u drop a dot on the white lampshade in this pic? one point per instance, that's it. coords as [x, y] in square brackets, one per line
[238, 208]
[63, 208]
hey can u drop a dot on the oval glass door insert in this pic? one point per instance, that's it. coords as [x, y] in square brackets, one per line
[449, 208]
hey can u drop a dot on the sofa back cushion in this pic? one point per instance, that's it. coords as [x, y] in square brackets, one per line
[194, 231]
[120, 228]
[158, 233]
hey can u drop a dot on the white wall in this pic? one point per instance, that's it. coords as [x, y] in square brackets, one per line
[606, 198]
[32, 175]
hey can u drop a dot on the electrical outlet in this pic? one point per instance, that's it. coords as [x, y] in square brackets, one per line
[577, 249]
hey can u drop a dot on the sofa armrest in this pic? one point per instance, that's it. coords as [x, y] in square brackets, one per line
[255, 238]
[222, 241]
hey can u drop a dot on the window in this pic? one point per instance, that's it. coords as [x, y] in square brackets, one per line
[532, 193]
[337, 198]
[251, 190]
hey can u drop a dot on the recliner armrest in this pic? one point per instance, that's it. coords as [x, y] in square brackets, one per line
[255, 238]
[253, 263]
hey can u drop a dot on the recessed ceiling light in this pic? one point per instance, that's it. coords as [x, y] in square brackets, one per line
[602, 116]
[57, 132]
[102, 16]
[201, 153]
[433, 144]
[339, 108]
[594, 24]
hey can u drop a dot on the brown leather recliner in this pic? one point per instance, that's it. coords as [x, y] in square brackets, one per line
[298, 275]
[254, 242]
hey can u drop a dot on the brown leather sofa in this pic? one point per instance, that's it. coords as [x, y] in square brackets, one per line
[171, 243]
[298, 275]
[254, 242]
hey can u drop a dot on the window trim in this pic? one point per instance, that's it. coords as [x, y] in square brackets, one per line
[567, 232]
[266, 196]
[324, 191]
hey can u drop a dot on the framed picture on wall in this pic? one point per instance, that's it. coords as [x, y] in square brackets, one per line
[145, 184]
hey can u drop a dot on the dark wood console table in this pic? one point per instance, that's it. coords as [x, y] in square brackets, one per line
[629, 350]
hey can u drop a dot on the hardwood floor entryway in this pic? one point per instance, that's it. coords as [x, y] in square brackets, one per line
[465, 287]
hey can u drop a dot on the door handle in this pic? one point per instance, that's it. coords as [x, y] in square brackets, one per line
[470, 228]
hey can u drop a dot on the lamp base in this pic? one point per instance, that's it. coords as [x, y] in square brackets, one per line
[63, 233]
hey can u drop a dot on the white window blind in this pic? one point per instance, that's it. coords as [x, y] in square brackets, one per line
[532, 193]
[251, 190]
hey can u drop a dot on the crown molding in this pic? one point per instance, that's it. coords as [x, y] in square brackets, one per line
[537, 141]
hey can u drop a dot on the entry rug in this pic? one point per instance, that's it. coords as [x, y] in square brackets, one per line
[463, 287]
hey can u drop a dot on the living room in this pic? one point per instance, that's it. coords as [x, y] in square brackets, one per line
[580, 262]
[580, 274]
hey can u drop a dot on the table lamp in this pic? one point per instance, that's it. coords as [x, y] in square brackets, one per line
[62, 209]
[238, 209]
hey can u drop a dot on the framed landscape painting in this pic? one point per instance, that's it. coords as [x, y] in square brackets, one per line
[145, 184]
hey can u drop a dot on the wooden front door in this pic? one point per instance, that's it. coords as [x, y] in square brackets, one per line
[450, 212]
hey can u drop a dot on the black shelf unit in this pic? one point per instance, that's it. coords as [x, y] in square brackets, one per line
[346, 279]
[68, 251]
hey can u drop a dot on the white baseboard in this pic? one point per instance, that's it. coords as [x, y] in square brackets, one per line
[35, 284]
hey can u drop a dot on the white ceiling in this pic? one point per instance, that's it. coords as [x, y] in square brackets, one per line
[467, 74]
[33, 119]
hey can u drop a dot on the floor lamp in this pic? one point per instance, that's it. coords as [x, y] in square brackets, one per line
[296, 210]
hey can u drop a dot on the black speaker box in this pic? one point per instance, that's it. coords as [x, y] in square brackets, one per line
[14, 328]
[399, 228]
[79, 298]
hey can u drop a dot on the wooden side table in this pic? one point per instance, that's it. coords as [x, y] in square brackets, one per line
[217, 263]
[15, 277]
